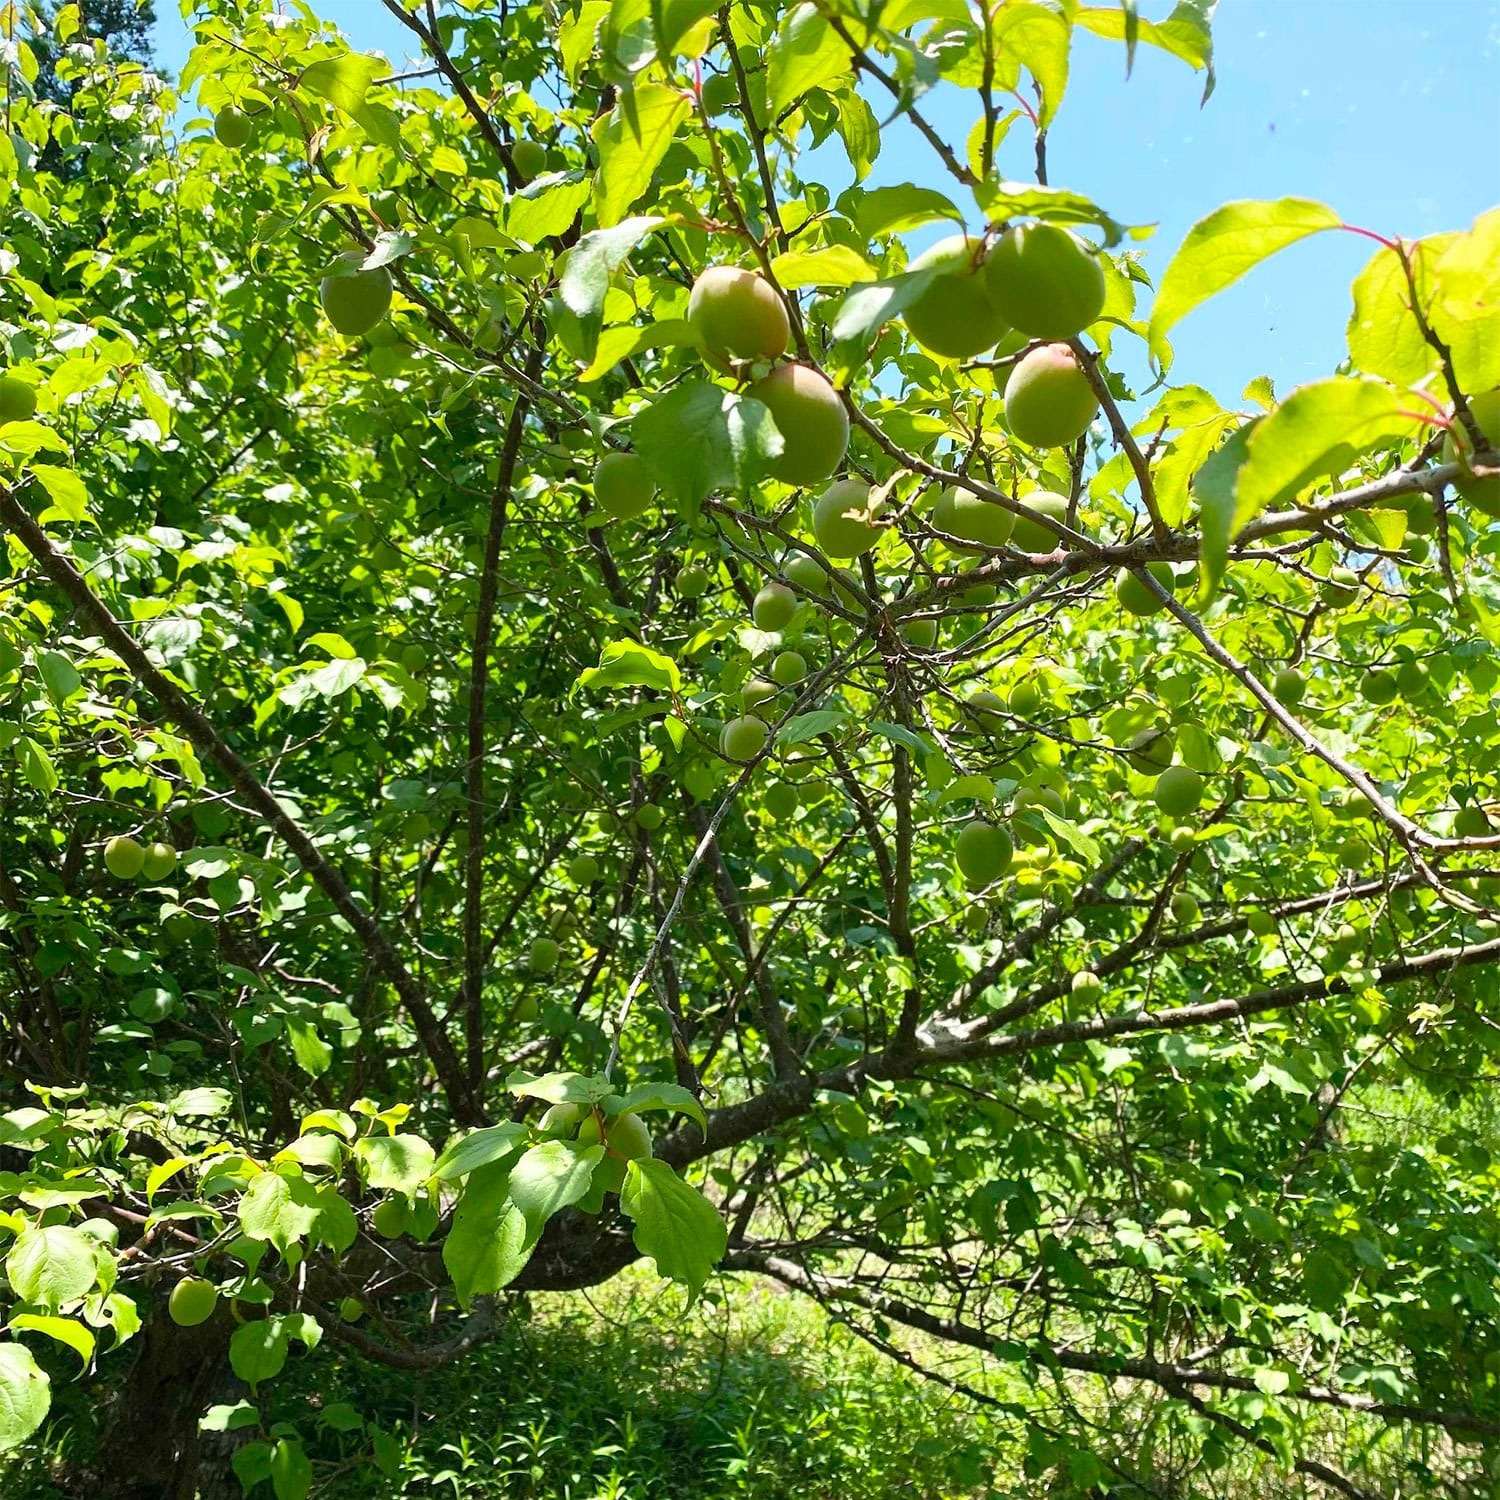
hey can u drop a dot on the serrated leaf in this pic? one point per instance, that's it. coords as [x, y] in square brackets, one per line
[546, 206]
[892, 210]
[66, 489]
[1056, 205]
[833, 265]
[390, 246]
[1465, 311]
[675, 19]
[551, 1177]
[1039, 38]
[75, 1335]
[590, 264]
[867, 309]
[630, 664]
[51, 1265]
[489, 1243]
[1222, 247]
[675, 1225]
[560, 1088]
[1384, 336]
[25, 1395]
[395, 1163]
[645, 1097]
[699, 438]
[627, 341]
[809, 726]
[805, 53]
[632, 140]
[343, 81]
[478, 1149]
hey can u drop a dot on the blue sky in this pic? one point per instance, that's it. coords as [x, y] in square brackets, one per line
[1388, 110]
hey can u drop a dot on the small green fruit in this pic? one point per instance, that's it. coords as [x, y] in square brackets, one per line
[17, 400]
[1087, 985]
[1340, 588]
[1288, 687]
[921, 633]
[954, 317]
[351, 1309]
[692, 581]
[124, 858]
[984, 853]
[560, 1119]
[389, 1218]
[1045, 281]
[583, 869]
[806, 575]
[842, 519]
[744, 738]
[192, 1301]
[972, 518]
[1048, 400]
[1026, 698]
[625, 1135]
[649, 816]
[719, 93]
[1180, 1194]
[1471, 822]
[1179, 790]
[1184, 907]
[788, 668]
[774, 606]
[530, 158]
[1412, 680]
[811, 419]
[738, 314]
[1032, 536]
[1136, 596]
[759, 694]
[233, 128]
[543, 955]
[158, 862]
[623, 485]
[1379, 687]
[782, 800]
[1260, 922]
[355, 301]
[1151, 750]
[1183, 839]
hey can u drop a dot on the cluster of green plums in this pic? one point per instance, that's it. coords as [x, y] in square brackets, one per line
[126, 858]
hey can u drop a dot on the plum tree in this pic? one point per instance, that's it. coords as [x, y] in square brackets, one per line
[984, 852]
[788, 668]
[623, 485]
[842, 519]
[233, 128]
[810, 418]
[954, 316]
[743, 738]
[530, 158]
[1481, 491]
[1179, 790]
[542, 956]
[1033, 536]
[1048, 400]
[355, 300]
[738, 314]
[124, 857]
[1136, 596]
[17, 399]
[972, 518]
[1044, 280]
[192, 1302]
[158, 861]
[773, 607]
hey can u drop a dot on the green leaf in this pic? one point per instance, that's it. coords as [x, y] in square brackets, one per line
[59, 676]
[257, 1351]
[343, 81]
[1385, 338]
[1184, 34]
[1221, 248]
[834, 265]
[279, 1209]
[590, 264]
[547, 206]
[892, 210]
[805, 54]
[1057, 205]
[1039, 38]
[699, 438]
[865, 311]
[627, 341]
[1465, 311]
[632, 140]
[550, 1177]
[675, 1225]
[36, 765]
[676, 18]
[52, 1265]
[69, 494]
[25, 1395]
[809, 726]
[559, 1088]
[1272, 1382]
[630, 664]
[478, 1149]
[291, 1470]
[1214, 485]
[313, 1055]
[645, 1097]
[395, 1163]
[390, 246]
[489, 1243]
[67, 1331]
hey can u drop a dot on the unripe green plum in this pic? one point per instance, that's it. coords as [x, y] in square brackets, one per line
[919, 633]
[1471, 822]
[158, 862]
[1353, 853]
[1184, 907]
[782, 800]
[1033, 536]
[351, 1309]
[1048, 400]
[233, 128]
[972, 518]
[1421, 516]
[788, 668]
[1151, 750]
[757, 694]
[1379, 687]
[774, 606]
[583, 869]
[1178, 791]
[389, 1219]
[987, 709]
[811, 419]
[623, 485]
[1045, 281]
[542, 956]
[954, 317]
[1260, 922]
[984, 853]
[841, 519]
[719, 93]
[1136, 596]
[17, 400]
[692, 581]
[124, 858]
[738, 314]
[414, 658]
[355, 301]
[1087, 985]
[1180, 1194]
[530, 158]
[1183, 839]
[1026, 698]
[649, 816]
[744, 738]
[192, 1302]
[1412, 680]
[1340, 588]
[1482, 493]
[806, 574]
[625, 1135]
[1288, 687]
[560, 1119]
[1418, 549]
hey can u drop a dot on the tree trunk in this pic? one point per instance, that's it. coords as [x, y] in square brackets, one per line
[149, 1447]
